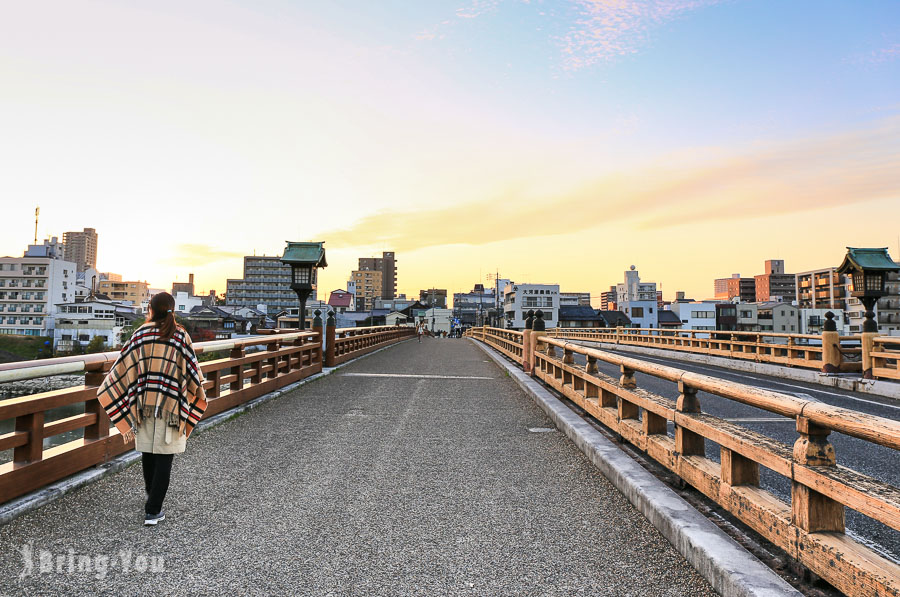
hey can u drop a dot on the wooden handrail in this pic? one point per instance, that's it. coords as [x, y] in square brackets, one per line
[238, 377]
[811, 527]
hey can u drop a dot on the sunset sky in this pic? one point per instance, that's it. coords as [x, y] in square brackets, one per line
[556, 142]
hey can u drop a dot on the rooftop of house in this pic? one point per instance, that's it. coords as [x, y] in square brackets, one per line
[577, 313]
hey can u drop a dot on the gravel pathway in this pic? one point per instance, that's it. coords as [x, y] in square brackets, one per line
[358, 485]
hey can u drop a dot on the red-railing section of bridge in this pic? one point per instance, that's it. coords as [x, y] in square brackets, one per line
[811, 527]
[242, 375]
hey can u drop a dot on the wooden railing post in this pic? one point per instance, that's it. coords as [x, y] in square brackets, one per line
[238, 371]
[33, 449]
[810, 510]
[687, 443]
[273, 360]
[317, 328]
[100, 427]
[329, 339]
[868, 346]
[738, 470]
[626, 380]
[527, 347]
[591, 392]
[831, 350]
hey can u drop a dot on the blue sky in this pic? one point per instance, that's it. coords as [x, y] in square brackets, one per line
[459, 134]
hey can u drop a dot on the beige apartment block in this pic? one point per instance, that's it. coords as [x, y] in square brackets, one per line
[81, 248]
[369, 286]
[134, 291]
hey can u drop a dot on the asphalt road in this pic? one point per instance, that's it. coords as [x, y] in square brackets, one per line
[419, 470]
[870, 459]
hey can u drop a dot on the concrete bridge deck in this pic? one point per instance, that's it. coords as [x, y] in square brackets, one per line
[417, 470]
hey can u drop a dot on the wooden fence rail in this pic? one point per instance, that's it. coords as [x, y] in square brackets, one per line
[237, 378]
[886, 357]
[792, 350]
[811, 527]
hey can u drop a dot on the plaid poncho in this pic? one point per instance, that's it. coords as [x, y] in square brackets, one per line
[154, 378]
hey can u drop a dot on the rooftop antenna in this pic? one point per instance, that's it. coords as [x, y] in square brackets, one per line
[37, 212]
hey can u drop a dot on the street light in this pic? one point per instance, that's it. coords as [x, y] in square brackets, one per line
[868, 269]
[304, 259]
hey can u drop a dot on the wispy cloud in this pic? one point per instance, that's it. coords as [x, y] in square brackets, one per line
[794, 176]
[610, 29]
[190, 255]
[599, 31]
[878, 55]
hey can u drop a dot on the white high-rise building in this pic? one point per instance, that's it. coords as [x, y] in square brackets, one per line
[29, 289]
[638, 300]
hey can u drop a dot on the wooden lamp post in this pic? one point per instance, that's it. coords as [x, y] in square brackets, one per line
[868, 269]
[304, 259]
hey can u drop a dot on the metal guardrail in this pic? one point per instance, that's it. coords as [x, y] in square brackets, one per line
[286, 358]
[811, 527]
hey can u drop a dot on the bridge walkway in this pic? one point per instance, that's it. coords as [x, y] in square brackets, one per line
[422, 469]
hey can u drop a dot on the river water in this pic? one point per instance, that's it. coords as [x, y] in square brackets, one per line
[26, 388]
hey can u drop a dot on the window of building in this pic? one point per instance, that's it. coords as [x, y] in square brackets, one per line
[637, 311]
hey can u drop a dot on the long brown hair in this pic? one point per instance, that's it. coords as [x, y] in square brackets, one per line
[163, 314]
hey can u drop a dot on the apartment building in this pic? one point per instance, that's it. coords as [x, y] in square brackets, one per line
[132, 291]
[186, 287]
[825, 289]
[29, 289]
[79, 323]
[387, 265]
[720, 286]
[778, 317]
[266, 281]
[474, 308]
[81, 248]
[434, 297]
[821, 289]
[369, 286]
[638, 300]
[743, 289]
[774, 284]
[574, 299]
[608, 299]
[519, 298]
[696, 315]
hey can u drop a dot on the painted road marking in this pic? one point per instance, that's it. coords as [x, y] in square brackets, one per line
[415, 376]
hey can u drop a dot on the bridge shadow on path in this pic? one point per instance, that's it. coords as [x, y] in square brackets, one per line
[361, 484]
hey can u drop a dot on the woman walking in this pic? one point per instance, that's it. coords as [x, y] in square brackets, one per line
[154, 395]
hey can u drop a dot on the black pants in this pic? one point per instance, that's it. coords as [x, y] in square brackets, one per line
[157, 470]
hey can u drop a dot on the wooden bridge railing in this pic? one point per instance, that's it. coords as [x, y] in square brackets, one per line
[886, 357]
[349, 343]
[286, 357]
[792, 350]
[811, 527]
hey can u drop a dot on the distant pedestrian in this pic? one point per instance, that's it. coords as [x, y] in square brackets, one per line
[154, 395]
[420, 331]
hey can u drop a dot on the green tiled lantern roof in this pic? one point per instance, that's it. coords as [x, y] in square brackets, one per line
[867, 259]
[305, 253]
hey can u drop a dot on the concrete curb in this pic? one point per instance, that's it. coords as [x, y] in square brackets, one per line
[34, 500]
[730, 569]
[887, 389]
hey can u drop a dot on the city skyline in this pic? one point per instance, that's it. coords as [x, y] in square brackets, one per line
[556, 142]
